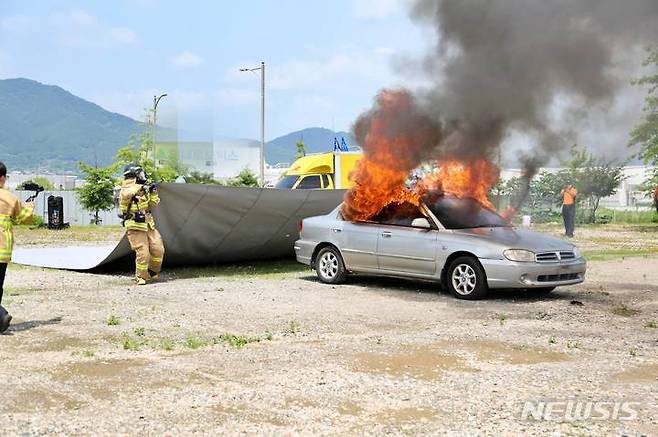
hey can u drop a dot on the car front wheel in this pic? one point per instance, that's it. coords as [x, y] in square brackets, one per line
[330, 267]
[466, 279]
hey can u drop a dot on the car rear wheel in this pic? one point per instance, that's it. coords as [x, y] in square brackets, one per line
[466, 279]
[329, 266]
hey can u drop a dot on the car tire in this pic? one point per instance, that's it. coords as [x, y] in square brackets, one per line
[329, 266]
[466, 279]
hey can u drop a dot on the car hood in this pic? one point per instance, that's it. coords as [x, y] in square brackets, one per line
[518, 238]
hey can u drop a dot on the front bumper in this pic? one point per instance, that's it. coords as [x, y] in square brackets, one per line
[502, 273]
[304, 251]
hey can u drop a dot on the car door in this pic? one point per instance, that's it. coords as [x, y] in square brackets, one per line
[403, 248]
[358, 244]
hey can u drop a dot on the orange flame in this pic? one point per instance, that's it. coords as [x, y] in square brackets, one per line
[463, 179]
[397, 137]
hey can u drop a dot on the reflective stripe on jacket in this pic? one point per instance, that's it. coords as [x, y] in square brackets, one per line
[12, 212]
[134, 197]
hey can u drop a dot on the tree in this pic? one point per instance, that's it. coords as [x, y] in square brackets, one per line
[197, 177]
[246, 178]
[594, 178]
[97, 194]
[140, 151]
[645, 134]
[39, 180]
[301, 149]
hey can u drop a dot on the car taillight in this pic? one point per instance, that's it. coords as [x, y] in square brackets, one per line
[301, 226]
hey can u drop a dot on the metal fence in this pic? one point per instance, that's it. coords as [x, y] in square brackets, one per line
[74, 213]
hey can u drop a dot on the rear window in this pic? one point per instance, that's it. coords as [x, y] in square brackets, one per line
[286, 182]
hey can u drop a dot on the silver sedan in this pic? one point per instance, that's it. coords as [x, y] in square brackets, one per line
[455, 241]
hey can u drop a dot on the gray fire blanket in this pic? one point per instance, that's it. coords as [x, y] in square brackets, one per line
[203, 224]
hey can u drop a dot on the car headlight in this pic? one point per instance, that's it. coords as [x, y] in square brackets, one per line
[519, 255]
[576, 253]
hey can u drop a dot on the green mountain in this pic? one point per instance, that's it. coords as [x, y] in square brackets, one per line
[316, 139]
[44, 126]
[47, 128]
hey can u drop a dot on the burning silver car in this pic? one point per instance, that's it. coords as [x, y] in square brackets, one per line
[455, 241]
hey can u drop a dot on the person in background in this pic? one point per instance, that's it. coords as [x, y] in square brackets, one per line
[568, 195]
[12, 211]
[655, 198]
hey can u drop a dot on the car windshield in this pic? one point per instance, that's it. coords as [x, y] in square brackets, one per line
[286, 182]
[462, 213]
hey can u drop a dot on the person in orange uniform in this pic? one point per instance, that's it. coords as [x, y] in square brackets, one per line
[12, 212]
[136, 199]
[568, 195]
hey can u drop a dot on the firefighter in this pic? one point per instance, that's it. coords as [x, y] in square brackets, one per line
[12, 211]
[136, 199]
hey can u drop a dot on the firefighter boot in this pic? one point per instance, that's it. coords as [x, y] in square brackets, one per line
[5, 320]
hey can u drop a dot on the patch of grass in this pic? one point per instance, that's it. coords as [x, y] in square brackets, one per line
[276, 269]
[502, 318]
[632, 352]
[293, 327]
[194, 342]
[572, 344]
[651, 324]
[113, 320]
[140, 332]
[87, 353]
[608, 254]
[130, 344]
[552, 340]
[237, 341]
[42, 236]
[167, 344]
[624, 311]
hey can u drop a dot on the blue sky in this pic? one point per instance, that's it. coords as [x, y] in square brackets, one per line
[325, 59]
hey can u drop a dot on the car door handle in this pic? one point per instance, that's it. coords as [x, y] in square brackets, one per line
[386, 234]
[336, 230]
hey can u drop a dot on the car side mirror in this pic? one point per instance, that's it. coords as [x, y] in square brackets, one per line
[420, 222]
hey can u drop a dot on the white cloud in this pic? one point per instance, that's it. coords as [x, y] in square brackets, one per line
[186, 60]
[82, 18]
[347, 66]
[17, 23]
[79, 28]
[123, 35]
[378, 9]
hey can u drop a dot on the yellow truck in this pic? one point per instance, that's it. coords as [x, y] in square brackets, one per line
[326, 171]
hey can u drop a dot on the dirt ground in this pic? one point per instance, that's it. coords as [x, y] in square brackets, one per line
[234, 350]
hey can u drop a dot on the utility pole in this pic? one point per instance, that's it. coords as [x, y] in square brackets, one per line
[262, 118]
[156, 100]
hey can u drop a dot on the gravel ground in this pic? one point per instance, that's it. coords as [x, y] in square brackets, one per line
[90, 354]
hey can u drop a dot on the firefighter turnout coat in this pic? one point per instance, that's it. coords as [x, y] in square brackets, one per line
[144, 238]
[12, 212]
